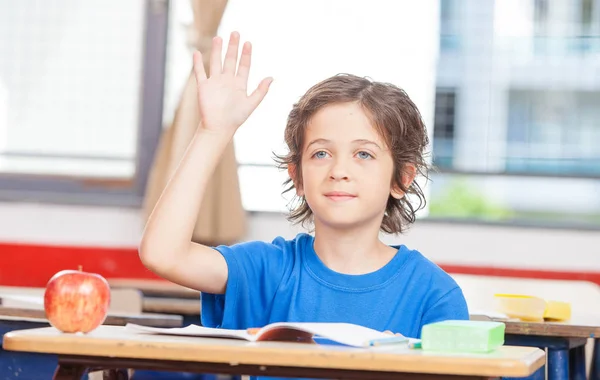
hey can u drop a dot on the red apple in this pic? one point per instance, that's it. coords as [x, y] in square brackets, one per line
[76, 301]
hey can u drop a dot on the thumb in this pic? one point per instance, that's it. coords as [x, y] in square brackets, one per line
[260, 92]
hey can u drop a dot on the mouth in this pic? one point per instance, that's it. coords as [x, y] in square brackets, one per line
[339, 196]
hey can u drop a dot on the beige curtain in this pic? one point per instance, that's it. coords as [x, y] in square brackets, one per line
[221, 218]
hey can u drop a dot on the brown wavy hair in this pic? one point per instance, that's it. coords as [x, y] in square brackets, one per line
[397, 120]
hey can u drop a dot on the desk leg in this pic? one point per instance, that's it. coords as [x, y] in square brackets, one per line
[595, 370]
[69, 372]
[558, 353]
[577, 363]
[558, 364]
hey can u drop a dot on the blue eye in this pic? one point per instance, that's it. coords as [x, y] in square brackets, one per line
[364, 155]
[320, 154]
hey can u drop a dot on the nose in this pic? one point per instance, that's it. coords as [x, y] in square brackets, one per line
[339, 170]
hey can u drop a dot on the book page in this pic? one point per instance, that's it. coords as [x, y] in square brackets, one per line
[193, 330]
[343, 333]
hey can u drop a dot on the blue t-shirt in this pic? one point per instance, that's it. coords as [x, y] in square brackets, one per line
[285, 281]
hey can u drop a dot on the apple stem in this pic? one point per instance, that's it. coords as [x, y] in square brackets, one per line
[80, 268]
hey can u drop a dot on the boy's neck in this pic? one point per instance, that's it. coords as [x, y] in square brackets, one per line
[351, 251]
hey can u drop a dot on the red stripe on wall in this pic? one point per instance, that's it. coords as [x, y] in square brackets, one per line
[33, 265]
[523, 273]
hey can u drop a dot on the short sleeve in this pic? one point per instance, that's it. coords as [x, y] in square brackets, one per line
[451, 306]
[255, 270]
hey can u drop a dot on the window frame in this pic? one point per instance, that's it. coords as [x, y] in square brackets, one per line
[112, 191]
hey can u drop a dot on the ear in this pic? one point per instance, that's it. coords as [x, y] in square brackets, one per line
[292, 173]
[408, 176]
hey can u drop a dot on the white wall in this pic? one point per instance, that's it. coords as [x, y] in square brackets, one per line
[448, 243]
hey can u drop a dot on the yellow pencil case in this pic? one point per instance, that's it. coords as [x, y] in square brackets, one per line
[530, 308]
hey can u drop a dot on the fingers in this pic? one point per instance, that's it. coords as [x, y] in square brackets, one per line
[199, 71]
[245, 60]
[215, 56]
[259, 94]
[232, 54]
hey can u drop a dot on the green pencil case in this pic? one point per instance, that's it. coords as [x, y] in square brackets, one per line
[462, 336]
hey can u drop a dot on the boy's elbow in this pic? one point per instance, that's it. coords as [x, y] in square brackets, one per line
[147, 256]
[158, 258]
[152, 256]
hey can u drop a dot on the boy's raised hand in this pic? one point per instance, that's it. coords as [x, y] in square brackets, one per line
[223, 99]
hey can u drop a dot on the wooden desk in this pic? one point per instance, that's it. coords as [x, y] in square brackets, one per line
[147, 319]
[182, 306]
[160, 296]
[577, 328]
[36, 366]
[24, 365]
[116, 347]
[158, 288]
[127, 300]
[565, 342]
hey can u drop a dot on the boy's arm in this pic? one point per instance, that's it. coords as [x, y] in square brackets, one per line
[166, 247]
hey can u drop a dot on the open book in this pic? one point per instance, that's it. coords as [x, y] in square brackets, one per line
[342, 333]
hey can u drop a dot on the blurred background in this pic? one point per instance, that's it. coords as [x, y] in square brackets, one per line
[95, 107]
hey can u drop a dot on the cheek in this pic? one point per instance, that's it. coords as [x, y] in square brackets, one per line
[310, 183]
[380, 180]
[313, 172]
[380, 191]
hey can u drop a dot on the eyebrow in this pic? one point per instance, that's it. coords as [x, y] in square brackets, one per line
[360, 141]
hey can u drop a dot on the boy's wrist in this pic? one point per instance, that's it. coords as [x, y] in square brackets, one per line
[215, 134]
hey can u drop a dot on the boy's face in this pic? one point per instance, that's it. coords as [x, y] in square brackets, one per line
[346, 168]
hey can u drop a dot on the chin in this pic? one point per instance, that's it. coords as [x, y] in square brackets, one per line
[339, 220]
[349, 218]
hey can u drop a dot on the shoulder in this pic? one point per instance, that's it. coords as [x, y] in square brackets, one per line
[427, 270]
[443, 298]
[296, 245]
[436, 283]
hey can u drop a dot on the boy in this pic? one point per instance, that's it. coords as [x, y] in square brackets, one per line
[355, 149]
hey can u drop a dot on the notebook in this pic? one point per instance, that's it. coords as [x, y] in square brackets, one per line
[343, 333]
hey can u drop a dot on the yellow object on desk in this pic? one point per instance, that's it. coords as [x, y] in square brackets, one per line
[557, 311]
[532, 309]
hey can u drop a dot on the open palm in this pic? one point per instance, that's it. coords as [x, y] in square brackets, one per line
[223, 98]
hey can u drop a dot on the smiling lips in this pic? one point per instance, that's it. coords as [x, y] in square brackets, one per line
[339, 196]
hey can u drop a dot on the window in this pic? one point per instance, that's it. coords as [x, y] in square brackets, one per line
[443, 127]
[554, 132]
[526, 124]
[587, 14]
[80, 98]
[566, 26]
[449, 25]
[541, 15]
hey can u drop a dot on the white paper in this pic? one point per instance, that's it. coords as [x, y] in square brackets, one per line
[193, 330]
[343, 333]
